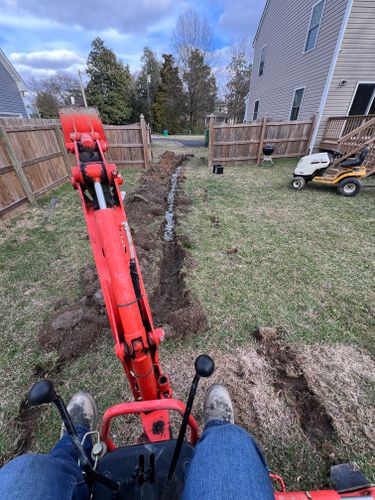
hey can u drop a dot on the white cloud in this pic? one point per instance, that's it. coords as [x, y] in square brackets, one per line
[28, 72]
[47, 59]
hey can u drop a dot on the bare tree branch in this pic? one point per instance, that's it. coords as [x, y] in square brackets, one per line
[191, 32]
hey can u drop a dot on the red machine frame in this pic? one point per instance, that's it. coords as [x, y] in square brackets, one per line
[136, 338]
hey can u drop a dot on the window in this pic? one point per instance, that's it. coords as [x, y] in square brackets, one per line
[262, 60]
[316, 17]
[364, 100]
[256, 107]
[296, 106]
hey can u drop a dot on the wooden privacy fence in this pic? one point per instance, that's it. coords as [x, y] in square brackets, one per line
[33, 158]
[129, 145]
[244, 142]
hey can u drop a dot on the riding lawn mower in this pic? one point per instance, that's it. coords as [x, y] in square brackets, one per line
[156, 468]
[347, 178]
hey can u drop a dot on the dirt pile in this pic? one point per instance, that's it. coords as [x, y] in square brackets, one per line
[72, 331]
[176, 309]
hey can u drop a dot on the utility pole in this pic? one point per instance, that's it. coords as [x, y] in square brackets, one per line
[82, 88]
[149, 99]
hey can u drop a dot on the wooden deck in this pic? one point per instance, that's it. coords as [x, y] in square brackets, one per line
[350, 134]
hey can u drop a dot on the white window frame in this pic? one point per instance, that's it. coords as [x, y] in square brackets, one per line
[305, 50]
[260, 60]
[300, 106]
[256, 101]
[354, 94]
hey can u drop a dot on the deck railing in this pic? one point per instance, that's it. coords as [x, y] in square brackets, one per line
[340, 126]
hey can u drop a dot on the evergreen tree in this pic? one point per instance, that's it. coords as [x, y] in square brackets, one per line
[147, 84]
[201, 89]
[110, 87]
[47, 105]
[169, 105]
[238, 86]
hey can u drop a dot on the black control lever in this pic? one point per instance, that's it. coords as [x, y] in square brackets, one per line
[204, 367]
[43, 392]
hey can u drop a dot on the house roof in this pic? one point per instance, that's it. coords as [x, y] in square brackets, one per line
[261, 21]
[13, 73]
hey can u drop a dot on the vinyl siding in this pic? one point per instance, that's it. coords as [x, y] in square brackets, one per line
[284, 30]
[10, 98]
[355, 63]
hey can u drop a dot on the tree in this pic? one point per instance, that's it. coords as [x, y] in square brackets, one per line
[54, 92]
[191, 32]
[47, 105]
[62, 87]
[147, 84]
[201, 88]
[110, 86]
[169, 105]
[239, 70]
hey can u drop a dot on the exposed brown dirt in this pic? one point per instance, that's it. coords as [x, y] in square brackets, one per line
[25, 422]
[72, 331]
[290, 380]
[175, 307]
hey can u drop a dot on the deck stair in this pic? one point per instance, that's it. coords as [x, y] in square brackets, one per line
[352, 144]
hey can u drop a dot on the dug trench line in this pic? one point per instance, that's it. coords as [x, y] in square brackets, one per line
[75, 329]
[175, 307]
[290, 381]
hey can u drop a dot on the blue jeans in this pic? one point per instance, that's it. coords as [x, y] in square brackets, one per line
[226, 464]
[55, 476]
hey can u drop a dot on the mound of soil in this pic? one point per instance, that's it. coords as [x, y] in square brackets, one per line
[73, 330]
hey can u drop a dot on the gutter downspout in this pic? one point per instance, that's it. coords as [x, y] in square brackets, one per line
[330, 74]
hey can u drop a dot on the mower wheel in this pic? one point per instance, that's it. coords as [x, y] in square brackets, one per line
[349, 186]
[298, 183]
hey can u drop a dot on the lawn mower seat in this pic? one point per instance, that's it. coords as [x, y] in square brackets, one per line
[356, 162]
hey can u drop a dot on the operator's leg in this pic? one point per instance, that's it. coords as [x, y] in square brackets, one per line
[227, 463]
[56, 475]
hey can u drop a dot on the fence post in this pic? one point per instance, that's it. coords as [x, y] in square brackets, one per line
[313, 123]
[211, 136]
[262, 135]
[17, 166]
[149, 142]
[62, 147]
[144, 141]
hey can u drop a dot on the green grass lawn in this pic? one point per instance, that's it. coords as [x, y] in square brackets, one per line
[267, 255]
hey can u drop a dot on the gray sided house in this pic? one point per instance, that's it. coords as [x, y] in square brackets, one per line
[313, 56]
[12, 90]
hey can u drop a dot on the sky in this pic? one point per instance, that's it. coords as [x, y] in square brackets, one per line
[42, 37]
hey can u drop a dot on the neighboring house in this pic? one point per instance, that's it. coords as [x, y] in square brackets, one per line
[313, 56]
[12, 90]
[220, 114]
